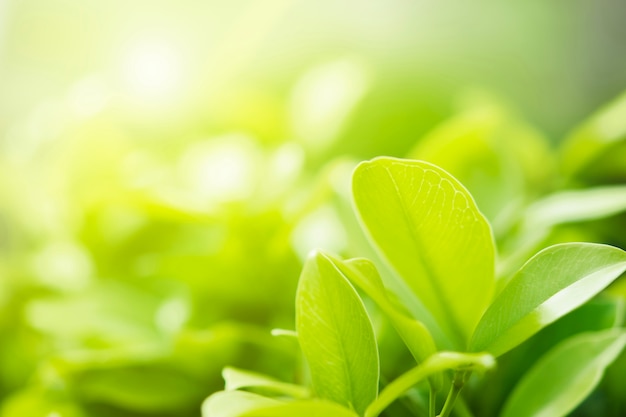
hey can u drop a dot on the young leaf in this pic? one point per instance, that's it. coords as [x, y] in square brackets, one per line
[238, 378]
[336, 336]
[596, 149]
[303, 409]
[415, 335]
[428, 227]
[234, 403]
[551, 284]
[564, 377]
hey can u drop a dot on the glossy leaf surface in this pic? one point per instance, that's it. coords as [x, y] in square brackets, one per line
[336, 336]
[597, 315]
[564, 377]
[551, 284]
[428, 227]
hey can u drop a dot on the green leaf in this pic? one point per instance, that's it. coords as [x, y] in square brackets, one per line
[552, 283]
[336, 336]
[565, 376]
[439, 362]
[428, 227]
[359, 244]
[140, 388]
[37, 401]
[415, 335]
[543, 221]
[234, 403]
[596, 150]
[238, 378]
[576, 206]
[303, 409]
[596, 315]
[497, 157]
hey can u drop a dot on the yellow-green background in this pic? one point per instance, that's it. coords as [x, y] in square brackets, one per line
[166, 166]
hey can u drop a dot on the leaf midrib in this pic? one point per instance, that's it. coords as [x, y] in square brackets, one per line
[338, 337]
[457, 333]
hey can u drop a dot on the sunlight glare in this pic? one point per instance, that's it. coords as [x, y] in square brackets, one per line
[152, 69]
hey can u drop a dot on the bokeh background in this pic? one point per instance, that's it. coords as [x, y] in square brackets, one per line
[165, 167]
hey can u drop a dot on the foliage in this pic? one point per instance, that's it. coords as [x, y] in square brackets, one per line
[425, 224]
[141, 269]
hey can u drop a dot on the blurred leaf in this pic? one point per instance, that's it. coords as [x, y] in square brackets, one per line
[564, 377]
[303, 409]
[205, 353]
[576, 206]
[388, 111]
[336, 336]
[107, 314]
[234, 403]
[540, 223]
[237, 379]
[552, 283]
[37, 402]
[323, 100]
[142, 379]
[596, 150]
[149, 388]
[428, 227]
[498, 158]
[612, 387]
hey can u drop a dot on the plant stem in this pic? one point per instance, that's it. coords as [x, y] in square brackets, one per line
[436, 363]
[457, 385]
[432, 403]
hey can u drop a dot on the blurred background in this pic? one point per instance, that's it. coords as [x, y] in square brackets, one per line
[165, 167]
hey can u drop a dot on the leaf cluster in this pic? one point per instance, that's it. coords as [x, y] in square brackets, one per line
[465, 313]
